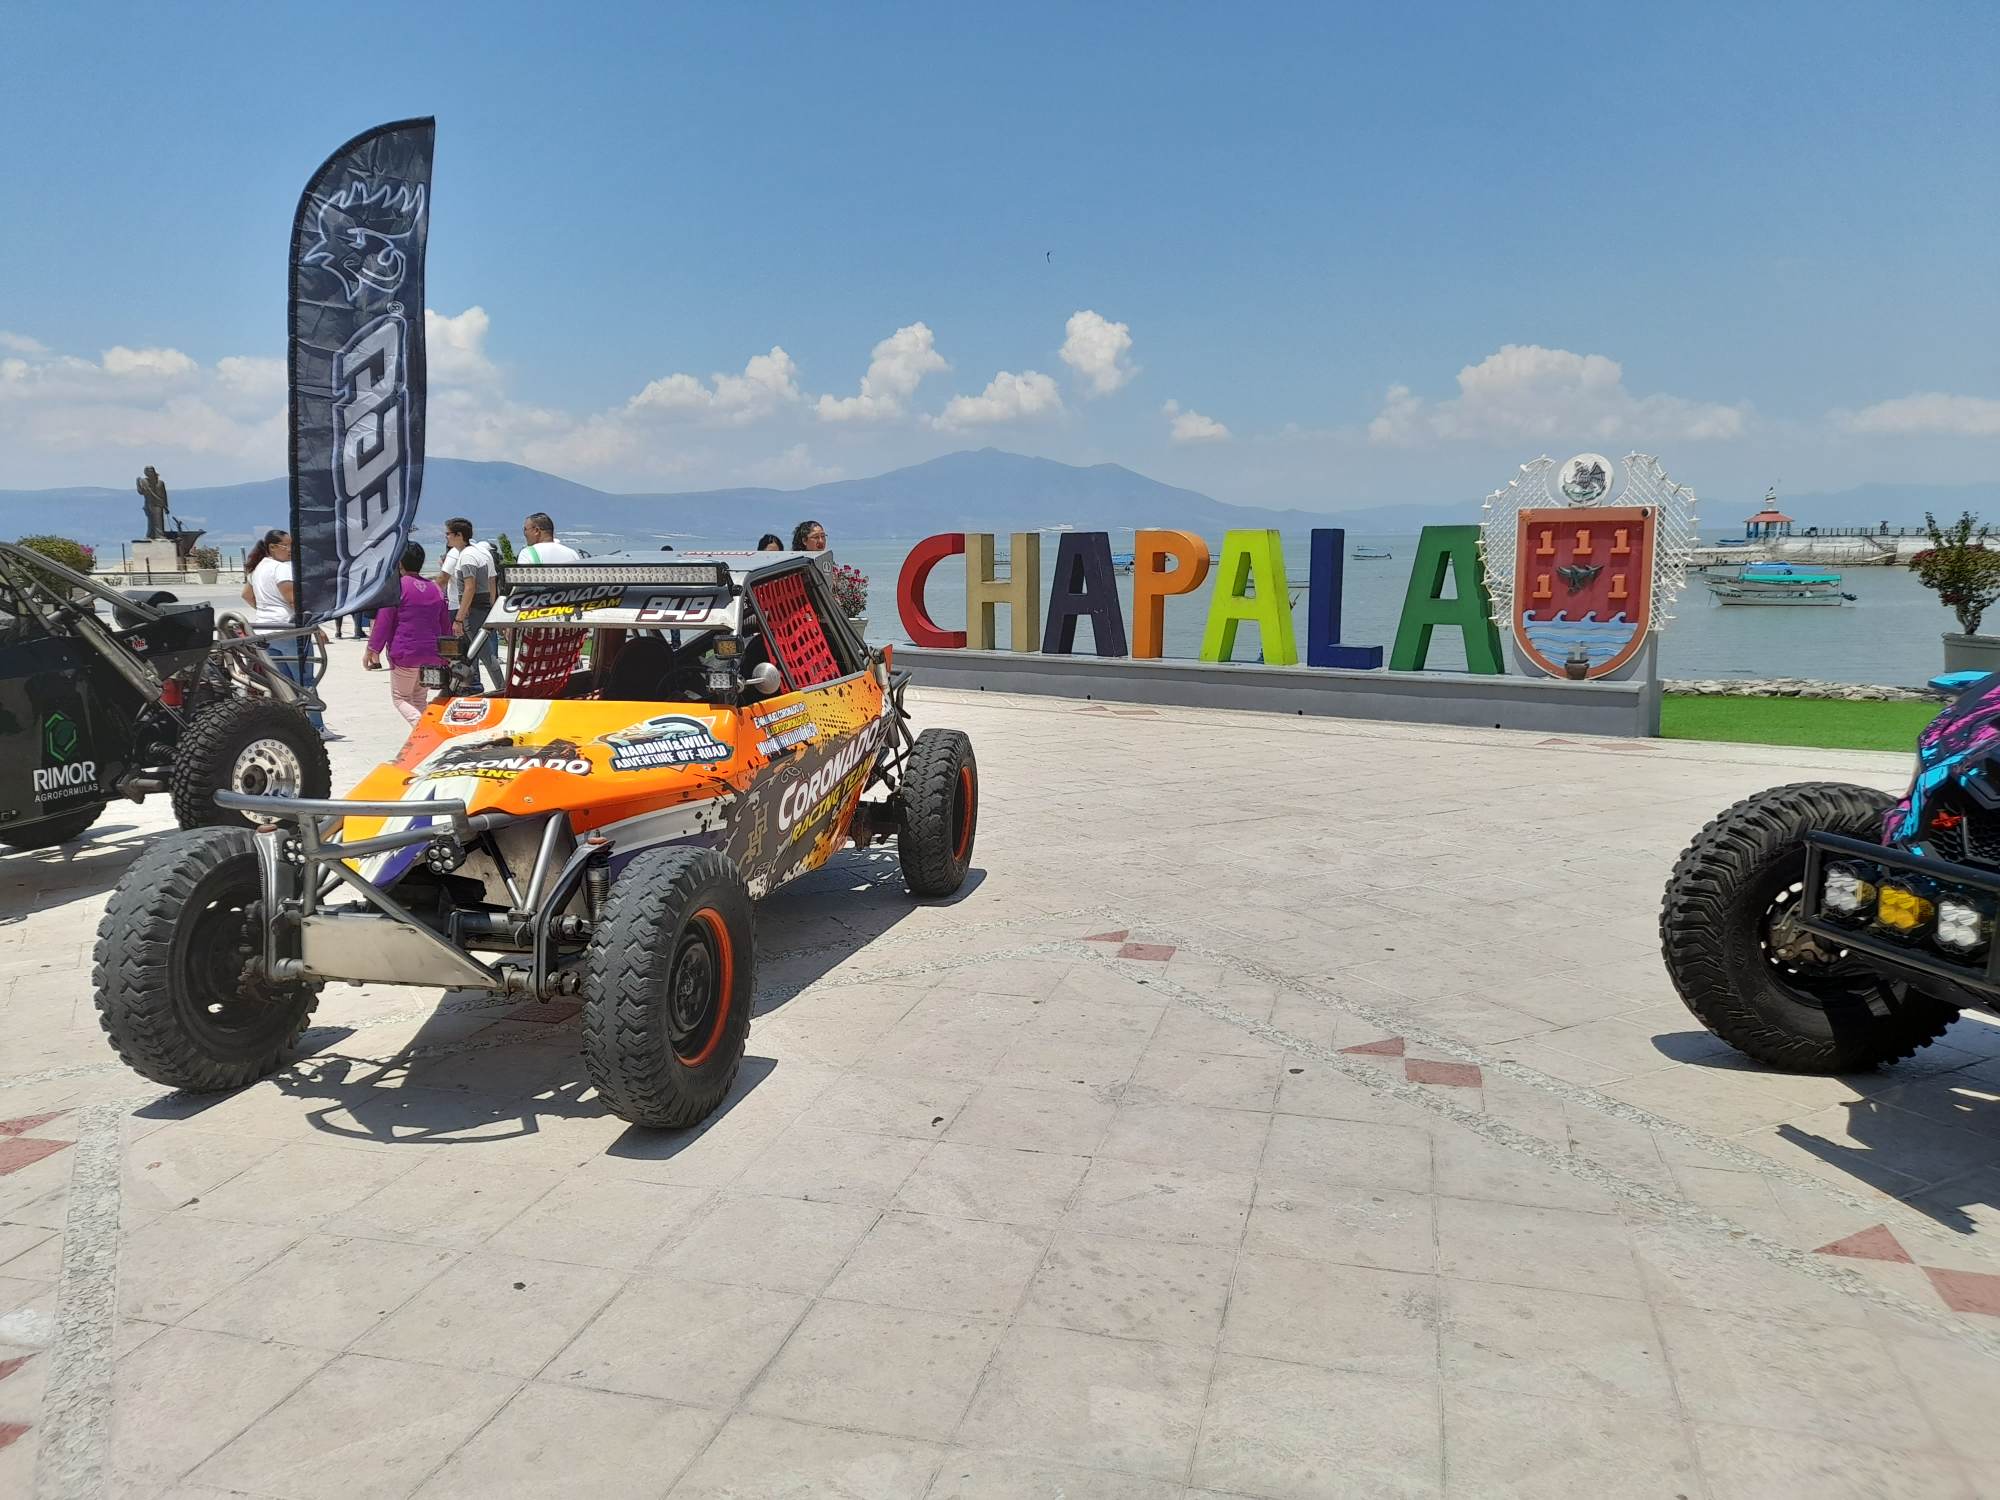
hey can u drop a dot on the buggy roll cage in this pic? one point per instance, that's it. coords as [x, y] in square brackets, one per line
[241, 654]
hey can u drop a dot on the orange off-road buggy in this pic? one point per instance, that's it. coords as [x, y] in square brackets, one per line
[677, 739]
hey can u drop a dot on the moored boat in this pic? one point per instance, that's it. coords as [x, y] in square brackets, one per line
[1778, 583]
[1373, 554]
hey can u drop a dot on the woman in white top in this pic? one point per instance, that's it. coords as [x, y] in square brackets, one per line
[274, 605]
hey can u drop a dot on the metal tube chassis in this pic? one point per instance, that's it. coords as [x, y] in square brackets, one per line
[1976, 982]
[297, 870]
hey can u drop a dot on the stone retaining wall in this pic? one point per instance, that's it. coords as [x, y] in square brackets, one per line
[1798, 687]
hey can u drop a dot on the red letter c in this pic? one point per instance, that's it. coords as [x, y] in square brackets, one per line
[927, 554]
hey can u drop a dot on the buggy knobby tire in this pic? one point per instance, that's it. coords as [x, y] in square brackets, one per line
[940, 800]
[174, 951]
[1715, 930]
[667, 987]
[48, 832]
[255, 745]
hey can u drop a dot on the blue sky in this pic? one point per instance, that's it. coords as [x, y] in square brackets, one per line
[1359, 254]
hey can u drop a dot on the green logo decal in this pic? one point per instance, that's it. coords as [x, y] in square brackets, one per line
[59, 736]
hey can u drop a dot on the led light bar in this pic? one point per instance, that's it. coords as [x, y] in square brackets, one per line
[612, 575]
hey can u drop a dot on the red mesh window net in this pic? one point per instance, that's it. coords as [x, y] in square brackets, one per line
[797, 640]
[544, 661]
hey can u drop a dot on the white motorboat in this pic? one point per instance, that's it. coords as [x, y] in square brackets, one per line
[1778, 583]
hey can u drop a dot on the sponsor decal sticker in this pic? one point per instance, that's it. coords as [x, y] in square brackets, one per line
[562, 604]
[666, 741]
[814, 796]
[463, 713]
[69, 776]
[786, 738]
[500, 758]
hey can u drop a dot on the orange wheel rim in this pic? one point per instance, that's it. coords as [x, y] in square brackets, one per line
[968, 794]
[716, 931]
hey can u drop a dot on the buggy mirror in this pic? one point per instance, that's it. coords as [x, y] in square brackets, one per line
[763, 679]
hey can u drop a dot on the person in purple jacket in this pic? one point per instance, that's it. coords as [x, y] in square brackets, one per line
[408, 631]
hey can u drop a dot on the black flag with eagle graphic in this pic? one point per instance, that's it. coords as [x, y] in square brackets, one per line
[357, 367]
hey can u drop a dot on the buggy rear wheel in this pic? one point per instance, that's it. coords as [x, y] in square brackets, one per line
[667, 985]
[49, 832]
[1742, 966]
[940, 800]
[177, 951]
[254, 745]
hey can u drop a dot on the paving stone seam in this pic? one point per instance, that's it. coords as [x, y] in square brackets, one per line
[472, 1005]
[1916, 1225]
[1049, 1234]
[75, 1428]
[1547, 1153]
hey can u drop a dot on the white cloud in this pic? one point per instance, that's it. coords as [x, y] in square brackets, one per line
[1524, 391]
[1931, 413]
[791, 469]
[20, 343]
[168, 364]
[252, 379]
[1007, 398]
[768, 382]
[1192, 427]
[896, 367]
[154, 404]
[1099, 351]
[455, 347]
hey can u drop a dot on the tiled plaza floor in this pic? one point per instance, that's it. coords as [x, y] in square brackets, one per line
[1286, 1108]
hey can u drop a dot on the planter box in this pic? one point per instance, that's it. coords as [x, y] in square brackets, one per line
[1971, 653]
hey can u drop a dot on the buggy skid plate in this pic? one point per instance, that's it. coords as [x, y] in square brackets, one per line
[387, 944]
[1979, 973]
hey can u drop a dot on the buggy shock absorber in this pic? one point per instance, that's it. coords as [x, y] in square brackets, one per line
[597, 876]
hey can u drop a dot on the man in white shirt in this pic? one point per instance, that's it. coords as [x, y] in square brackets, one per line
[539, 531]
[469, 590]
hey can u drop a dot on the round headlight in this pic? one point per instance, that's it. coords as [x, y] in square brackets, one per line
[1903, 910]
[1847, 894]
[1962, 927]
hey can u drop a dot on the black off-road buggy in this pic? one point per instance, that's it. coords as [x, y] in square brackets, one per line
[152, 699]
[1827, 928]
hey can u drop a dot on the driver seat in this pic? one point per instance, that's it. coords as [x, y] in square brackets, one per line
[638, 669]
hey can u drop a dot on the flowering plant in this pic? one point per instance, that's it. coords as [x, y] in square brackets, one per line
[78, 557]
[1958, 567]
[850, 590]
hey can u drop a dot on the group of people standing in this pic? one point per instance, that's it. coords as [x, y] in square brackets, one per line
[453, 602]
[405, 634]
[807, 536]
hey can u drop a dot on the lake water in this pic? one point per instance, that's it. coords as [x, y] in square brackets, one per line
[1888, 635]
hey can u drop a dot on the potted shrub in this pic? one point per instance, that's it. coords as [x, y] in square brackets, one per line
[207, 563]
[1964, 573]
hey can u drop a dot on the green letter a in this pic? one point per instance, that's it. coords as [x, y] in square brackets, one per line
[1441, 550]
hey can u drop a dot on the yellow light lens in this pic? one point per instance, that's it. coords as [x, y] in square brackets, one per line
[1904, 911]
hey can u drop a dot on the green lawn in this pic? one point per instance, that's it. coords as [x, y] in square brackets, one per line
[1825, 723]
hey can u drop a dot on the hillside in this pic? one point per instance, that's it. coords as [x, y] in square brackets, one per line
[986, 490]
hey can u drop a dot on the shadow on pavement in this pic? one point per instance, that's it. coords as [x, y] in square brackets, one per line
[480, 1070]
[1932, 1144]
[33, 880]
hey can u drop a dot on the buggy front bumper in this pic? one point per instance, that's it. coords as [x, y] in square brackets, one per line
[1913, 959]
[300, 865]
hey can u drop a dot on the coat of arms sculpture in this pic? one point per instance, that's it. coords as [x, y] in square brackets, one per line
[1579, 584]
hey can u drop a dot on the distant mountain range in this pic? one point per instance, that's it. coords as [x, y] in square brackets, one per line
[986, 490]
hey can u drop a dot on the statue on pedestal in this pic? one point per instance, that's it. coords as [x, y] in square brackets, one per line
[161, 524]
[153, 492]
